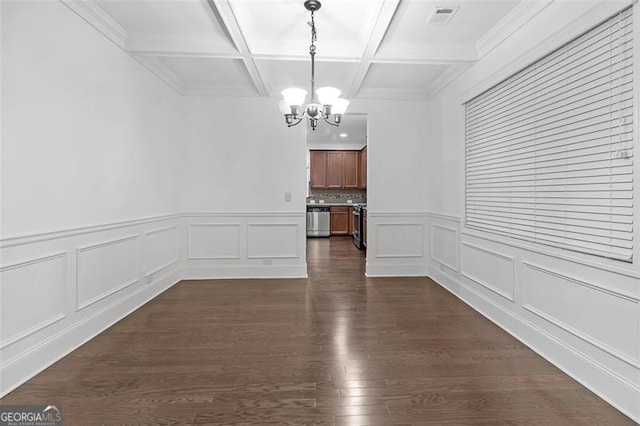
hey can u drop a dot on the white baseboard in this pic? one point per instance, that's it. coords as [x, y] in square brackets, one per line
[15, 372]
[616, 390]
[396, 270]
[219, 272]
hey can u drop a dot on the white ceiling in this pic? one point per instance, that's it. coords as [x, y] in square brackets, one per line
[352, 131]
[373, 49]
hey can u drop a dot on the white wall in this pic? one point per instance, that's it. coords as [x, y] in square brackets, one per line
[242, 159]
[397, 201]
[580, 312]
[91, 167]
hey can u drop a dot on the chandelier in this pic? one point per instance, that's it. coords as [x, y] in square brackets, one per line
[329, 106]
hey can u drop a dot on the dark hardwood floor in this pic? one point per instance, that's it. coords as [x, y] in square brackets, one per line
[335, 349]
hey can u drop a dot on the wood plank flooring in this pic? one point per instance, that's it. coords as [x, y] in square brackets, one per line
[334, 349]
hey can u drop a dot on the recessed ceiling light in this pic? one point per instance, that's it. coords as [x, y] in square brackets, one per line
[343, 135]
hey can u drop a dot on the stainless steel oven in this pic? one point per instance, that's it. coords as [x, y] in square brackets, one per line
[357, 227]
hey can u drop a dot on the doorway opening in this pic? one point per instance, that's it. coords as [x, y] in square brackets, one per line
[336, 174]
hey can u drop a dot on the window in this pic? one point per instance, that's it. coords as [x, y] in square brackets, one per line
[549, 151]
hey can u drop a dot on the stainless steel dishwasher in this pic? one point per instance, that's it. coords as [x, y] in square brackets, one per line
[318, 221]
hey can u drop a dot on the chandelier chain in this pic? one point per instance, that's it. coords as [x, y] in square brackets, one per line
[312, 52]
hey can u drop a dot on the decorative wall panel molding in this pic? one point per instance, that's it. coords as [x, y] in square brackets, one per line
[490, 269]
[31, 296]
[161, 249]
[38, 237]
[554, 297]
[273, 240]
[45, 299]
[399, 240]
[444, 246]
[213, 241]
[106, 268]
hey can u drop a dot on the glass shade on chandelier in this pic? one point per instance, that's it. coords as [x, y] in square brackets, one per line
[329, 107]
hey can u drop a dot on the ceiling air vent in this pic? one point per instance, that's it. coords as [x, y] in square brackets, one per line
[441, 16]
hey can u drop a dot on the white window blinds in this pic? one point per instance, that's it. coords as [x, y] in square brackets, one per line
[549, 151]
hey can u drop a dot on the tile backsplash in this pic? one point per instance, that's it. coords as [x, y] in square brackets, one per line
[338, 195]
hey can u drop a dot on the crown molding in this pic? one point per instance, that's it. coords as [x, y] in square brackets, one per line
[161, 71]
[445, 78]
[95, 16]
[518, 17]
[453, 54]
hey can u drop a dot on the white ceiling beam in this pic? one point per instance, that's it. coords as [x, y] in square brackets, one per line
[225, 12]
[387, 10]
[191, 46]
[305, 58]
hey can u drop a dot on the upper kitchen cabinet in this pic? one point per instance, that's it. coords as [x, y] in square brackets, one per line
[362, 172]
[350, 169]
[318, 165]
[335, 169]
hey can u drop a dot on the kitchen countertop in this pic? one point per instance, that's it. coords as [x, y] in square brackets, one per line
[336, 204]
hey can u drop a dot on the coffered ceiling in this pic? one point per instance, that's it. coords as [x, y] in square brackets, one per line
[370, 49]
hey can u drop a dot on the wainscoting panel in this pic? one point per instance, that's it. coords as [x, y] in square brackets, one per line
[60, 289]
[399, 240]
[584, 310]
[161, 249]
[444, 246]
[583, 315]
[488, 268]
[105, 268]
[31, 296]
[213, 241]
[397, 244]
[244, 245]
[273, 240]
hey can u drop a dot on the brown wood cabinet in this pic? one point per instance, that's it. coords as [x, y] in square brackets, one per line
[318, 166]
[335, 169]
[339, 220]
[350, 169]
[362, 169]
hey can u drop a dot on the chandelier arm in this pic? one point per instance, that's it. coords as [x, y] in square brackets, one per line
[329, 122]
[295, 123]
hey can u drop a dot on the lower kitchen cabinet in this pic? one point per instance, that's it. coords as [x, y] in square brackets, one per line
[339, 220]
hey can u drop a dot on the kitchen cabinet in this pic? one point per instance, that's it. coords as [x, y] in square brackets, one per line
[335, 169]
[362, 169]
[339, 220]
[350, 169]
[318, 166]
